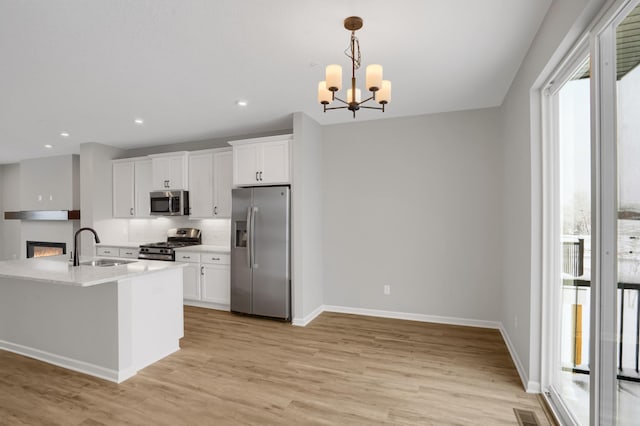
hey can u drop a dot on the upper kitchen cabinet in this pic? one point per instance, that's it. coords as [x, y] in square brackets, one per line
[261, 161]
[51, 183]
[131, 187]
[169, 171]
[210, 178]
[222, 183]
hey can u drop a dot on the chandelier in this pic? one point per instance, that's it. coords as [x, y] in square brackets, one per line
[380, 89]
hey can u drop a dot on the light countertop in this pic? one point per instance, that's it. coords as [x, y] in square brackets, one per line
[58, 270]
[203, 248]
[123, 245]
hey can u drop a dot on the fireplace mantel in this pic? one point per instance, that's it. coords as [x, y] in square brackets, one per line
[43, 215]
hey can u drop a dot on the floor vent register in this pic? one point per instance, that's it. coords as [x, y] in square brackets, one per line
[526, 418]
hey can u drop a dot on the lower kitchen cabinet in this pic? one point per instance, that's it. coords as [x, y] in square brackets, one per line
[191, 282]
[206, 279]
[215, 284]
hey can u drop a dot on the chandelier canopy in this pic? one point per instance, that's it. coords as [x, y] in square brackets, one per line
[380, 89]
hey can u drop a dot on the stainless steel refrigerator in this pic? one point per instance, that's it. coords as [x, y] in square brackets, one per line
[260, 251]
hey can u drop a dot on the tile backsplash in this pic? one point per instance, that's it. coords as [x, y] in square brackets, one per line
[214, 231]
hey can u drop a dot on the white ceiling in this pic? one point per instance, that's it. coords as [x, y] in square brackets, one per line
[91, 67]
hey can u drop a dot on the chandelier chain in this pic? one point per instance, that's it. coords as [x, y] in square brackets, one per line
[353, 51]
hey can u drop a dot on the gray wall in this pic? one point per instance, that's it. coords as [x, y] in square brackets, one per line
[521, 285]
[96, 189]
[415, 203]
[10, 199]
[307, 189]
[197, 145]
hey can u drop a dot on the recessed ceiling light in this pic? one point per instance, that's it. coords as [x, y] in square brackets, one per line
[242, 103]
[64, 134]
[138, 121]
[48, 146]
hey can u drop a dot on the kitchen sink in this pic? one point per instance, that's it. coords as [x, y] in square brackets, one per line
[107, 262]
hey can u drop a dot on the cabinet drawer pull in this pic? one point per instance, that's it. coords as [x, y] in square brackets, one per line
[186, 257]
[215, 258]
[128, 252]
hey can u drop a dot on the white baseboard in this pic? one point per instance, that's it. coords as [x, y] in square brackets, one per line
[208, 305]
[69, 363]
[301, 322]
[414, 317]
[530, 386]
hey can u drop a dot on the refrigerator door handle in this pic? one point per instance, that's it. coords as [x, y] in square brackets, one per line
[252, 249]
[249, 236]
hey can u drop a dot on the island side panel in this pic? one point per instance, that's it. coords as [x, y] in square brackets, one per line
[74, 327]
[152, 310]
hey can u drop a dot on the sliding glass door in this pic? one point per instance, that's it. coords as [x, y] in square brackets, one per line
[627, 339]
[569, 104]
[593, 243]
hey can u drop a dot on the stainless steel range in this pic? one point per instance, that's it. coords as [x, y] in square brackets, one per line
[176, 237]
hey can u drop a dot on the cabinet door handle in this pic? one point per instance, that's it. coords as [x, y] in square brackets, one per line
[215, 258]
[186, 257]
[260, 176]
[202, 270]
[257, 176]
[131, 211]
[215, 210]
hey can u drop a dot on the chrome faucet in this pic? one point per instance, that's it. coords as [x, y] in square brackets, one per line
[76, 258]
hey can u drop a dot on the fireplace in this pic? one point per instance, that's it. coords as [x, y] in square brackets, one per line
[43, 248]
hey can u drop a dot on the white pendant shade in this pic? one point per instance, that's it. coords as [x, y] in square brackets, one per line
[334, 77]
[324, 95]
[350, 98]
[374, 77]
[383, 96]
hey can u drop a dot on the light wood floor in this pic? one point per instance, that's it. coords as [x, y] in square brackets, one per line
[339, 370]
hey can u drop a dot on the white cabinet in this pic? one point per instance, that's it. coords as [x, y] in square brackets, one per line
[123, 188]
[210, 179]
[105, 251]
[206, 279]
[191, 275]
[261, 161]
[129, 253]
[222, 183]
[131, 187]
[117, 251]
[201, 184]
[215, 278]
[142, 188]
[170, 171]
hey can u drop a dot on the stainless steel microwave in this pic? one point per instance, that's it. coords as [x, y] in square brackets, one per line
[169, 203]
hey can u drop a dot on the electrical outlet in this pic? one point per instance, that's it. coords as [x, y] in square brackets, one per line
[387, 289]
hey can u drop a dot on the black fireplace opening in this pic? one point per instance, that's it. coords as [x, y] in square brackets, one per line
[44, 248]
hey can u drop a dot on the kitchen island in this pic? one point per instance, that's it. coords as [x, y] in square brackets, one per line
[109, 322]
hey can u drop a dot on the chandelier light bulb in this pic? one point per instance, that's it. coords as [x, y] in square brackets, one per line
[334, 77]
[350, 96]
[324, 94]
[374, 77]
[384, 94]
